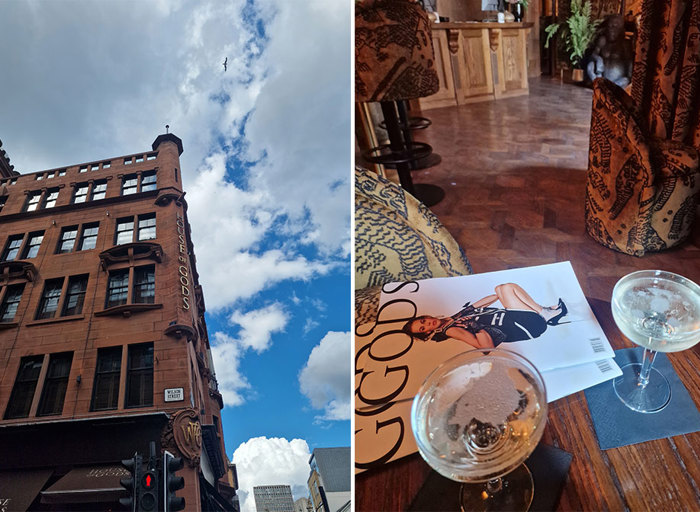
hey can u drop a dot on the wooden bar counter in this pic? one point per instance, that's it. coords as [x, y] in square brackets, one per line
[478, 62]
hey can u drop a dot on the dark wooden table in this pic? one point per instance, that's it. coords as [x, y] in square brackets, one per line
[661, 475]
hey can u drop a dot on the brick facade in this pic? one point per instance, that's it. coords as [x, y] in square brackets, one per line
[171, 317]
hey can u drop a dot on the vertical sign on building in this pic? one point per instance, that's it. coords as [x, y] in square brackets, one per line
[183, 258]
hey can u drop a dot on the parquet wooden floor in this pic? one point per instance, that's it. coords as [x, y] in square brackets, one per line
[514, 173]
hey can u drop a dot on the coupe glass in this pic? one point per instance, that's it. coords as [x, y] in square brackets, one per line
[476, 418]
[661, 312]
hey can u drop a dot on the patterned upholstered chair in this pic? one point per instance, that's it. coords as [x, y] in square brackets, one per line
[643, 179]
[397, 238]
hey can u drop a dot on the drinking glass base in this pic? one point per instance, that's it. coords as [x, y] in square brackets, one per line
[651, 398]
[514, 493]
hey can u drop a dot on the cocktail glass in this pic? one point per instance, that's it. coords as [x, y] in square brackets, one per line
[661, 312]
[476, 419]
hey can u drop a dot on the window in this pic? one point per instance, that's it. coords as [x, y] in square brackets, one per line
[10, 303]
[105, 393]
[152, 156]
[147, 227]
[81, 192]
[127, 161]
[32, 247]
[62, 172]
[13, 181]
[148, 181]
[67, 241]
[139, 182]
[39, 177]
[117, 288]
[125, 231]
[75, 295]
[95, 167]
[3, 200]
[83, 168]
[50, 198]
[48, 305]
[139, 381]
[139, 159]
[25, 384]
[144, 285]
[130, 184]
[32, 201]
[50, 175]
[99, 189]
[55, 384]
[88, 240]
[142, 290]
[106, 165]
[12, 248]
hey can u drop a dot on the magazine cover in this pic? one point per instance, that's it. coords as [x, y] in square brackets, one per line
[539, 312]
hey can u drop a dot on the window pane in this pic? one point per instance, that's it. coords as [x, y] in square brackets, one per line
[147, 227]
[51, 197]
[129, 185]
[10, 303]
[117, 288]
[125, 231]
[67, 241]
[75, 295]
[49, 299]
[55, 385]
[33, 244]
[3, 200]
[25, 385]
[144, 284]
[99, 189]
[89, 238]
[12, 248]
[33, 201]
[148, 181]
[139, 392]
[80, 195]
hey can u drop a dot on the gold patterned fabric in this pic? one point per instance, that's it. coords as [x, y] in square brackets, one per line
[393, 52]
[397, 238]
[641, 190]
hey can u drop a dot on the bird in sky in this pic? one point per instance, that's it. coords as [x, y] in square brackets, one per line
[225, 63]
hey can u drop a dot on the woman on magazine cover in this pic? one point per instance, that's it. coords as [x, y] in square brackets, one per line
[521, 318]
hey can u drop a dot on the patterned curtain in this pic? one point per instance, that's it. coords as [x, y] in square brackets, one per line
[666, 76]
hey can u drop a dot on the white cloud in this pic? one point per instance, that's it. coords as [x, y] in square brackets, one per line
[256, 330]
[273, 461]
[227, 354]
[257, 326]
[325, 379]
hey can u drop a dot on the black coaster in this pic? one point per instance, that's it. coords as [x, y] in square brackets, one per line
[549, 467]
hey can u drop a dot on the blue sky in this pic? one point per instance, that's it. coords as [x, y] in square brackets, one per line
[266, 167]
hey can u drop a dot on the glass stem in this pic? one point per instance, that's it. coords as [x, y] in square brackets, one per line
[494, 486]
[647, 362]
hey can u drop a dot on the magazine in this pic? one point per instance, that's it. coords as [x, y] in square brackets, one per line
[538, 312]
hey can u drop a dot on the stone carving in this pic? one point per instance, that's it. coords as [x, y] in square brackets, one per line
[612, 56]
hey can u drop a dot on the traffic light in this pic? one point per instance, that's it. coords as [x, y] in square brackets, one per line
[133, 466]
[147, 499]
[172, 483]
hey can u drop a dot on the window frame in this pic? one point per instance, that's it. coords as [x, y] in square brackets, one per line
[28, 246]
[4, 304]
[133, 373]
[83, 236]
[110, 374]
[78, 309]
[41, 312]
[46, 198]
[7, 249]
[33, 201]
[50, 381]
[32, 385]
[61, 239]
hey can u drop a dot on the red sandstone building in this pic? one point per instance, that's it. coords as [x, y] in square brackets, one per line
[103, 343]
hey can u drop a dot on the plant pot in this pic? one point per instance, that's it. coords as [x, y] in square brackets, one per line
[577, 75]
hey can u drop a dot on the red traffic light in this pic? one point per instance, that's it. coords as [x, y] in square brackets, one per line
[148, 482]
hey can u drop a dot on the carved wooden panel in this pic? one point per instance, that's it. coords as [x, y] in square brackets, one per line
[511, 57]
[443, 65]
[475, 78]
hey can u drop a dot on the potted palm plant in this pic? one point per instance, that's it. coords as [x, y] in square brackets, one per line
[575, 33]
